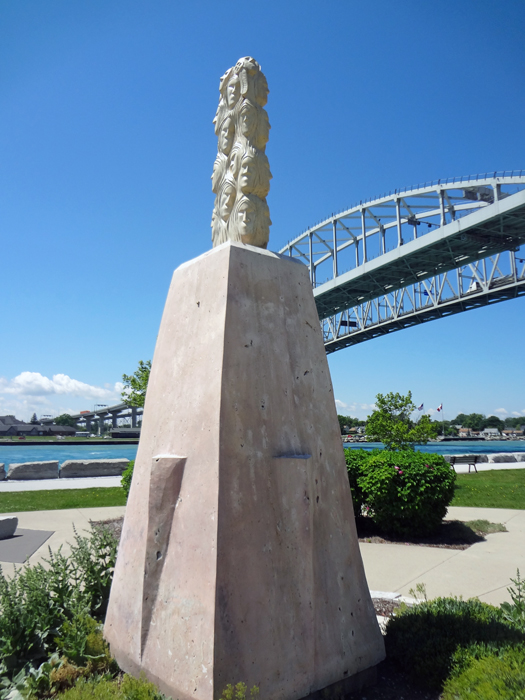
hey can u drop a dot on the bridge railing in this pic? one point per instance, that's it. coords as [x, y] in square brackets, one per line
[374, 227]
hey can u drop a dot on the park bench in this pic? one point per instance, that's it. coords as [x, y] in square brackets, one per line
[471, 460]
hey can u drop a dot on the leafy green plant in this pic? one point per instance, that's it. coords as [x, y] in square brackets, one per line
[498, 676]
[80, 640]
[515, 612]
[127, 476]
[37, 601]
[407, 492]
[356, 461]
[424, 640]
[127, 688]
[238, 692]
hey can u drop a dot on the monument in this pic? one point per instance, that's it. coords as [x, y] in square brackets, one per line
[239, 559]
[241, 172]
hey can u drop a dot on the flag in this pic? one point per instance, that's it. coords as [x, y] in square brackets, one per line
[420, 408]
[440, 407]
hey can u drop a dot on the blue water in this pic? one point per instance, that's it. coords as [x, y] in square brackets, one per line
[42, 453]
[459, 447]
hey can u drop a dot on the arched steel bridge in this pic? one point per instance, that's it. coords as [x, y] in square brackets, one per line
[415, 255]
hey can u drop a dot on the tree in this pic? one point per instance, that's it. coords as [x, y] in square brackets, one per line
[65, 419]
[390, 423]
[494, 422]
[134, 393]
[34, 420]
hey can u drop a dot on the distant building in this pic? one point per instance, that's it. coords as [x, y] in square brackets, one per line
[11, 426]
[491, 433]
[125, 432]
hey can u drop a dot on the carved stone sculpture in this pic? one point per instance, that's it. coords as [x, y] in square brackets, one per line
[241, 172]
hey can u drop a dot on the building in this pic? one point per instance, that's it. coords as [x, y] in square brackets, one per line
[11, 426]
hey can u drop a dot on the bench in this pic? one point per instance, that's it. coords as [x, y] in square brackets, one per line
[471, 460]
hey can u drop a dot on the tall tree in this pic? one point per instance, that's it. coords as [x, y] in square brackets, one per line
[65, 419]
[135, 385]
[391, 424]
[34, 419]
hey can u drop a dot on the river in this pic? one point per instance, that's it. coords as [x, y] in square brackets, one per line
[40, 453]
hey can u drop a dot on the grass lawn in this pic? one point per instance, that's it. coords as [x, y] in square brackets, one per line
[502, 488]
[59, 500]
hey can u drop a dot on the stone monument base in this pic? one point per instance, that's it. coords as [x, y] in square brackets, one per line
[239, 559]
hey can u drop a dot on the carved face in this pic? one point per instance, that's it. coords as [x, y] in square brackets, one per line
[226, 133]
[249, 118]
[248, 174]
[261, 90]
[226, 200]
[233, 91]
[263, 132]
[246, 216]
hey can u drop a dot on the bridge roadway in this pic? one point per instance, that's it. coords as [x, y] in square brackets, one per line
[416, 255]
[115, 413]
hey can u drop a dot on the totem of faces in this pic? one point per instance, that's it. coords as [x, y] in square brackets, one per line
[241, 173]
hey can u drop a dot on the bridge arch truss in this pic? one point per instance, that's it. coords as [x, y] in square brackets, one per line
[415, 255]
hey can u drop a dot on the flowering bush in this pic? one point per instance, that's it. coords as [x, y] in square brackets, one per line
[406, 493]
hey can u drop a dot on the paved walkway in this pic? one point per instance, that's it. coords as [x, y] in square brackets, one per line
[483, 570]
[56, 484]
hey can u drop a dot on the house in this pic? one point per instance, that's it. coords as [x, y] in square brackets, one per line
[464, 432]
[491, 433]
[9, 425]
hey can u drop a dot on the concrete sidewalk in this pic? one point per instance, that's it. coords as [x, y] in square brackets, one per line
[107, 481]
[483, 570]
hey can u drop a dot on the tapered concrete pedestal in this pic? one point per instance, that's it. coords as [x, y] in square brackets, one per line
[239, 559]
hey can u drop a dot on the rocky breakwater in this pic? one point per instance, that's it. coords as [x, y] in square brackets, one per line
[70, 469]
[76, 468]
[33, 470]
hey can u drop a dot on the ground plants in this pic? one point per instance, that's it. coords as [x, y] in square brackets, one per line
[498, 488]
[54, 613]
[62, 499]
[442, 638]
[405, 492]
[127, 476]
[499, 675]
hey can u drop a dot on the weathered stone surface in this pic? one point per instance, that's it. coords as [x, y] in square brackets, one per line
[520, 456]
[239, 557]
[483, 458]
[73, 468]
[33, 470]
[8, 526]
[500, 457]
[2, 471]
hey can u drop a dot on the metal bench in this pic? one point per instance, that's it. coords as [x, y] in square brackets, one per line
[471, 460]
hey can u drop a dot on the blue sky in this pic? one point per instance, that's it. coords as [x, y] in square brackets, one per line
[107, 147]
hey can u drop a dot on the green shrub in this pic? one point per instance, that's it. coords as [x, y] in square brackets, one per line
[37, 602]
[128, 688]
[127, 476]
[499, 676]
[356, 461]
[238, 692]
[425, 640]
[407, 492]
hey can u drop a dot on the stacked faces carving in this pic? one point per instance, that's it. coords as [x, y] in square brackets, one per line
[241, 172]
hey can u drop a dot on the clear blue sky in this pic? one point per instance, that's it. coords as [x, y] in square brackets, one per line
[107, 147]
